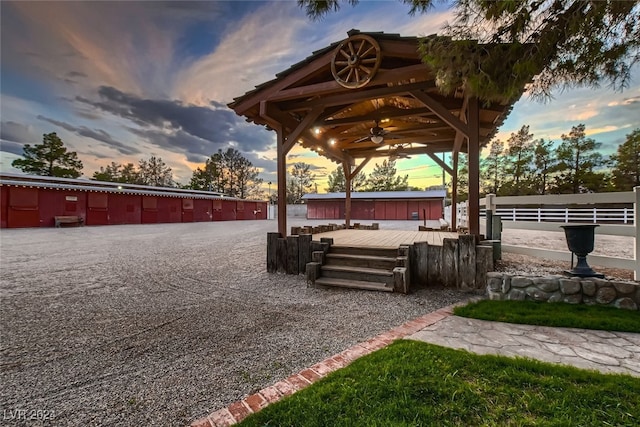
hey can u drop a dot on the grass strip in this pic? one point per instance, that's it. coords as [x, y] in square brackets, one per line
[413, 383]
[553, 314]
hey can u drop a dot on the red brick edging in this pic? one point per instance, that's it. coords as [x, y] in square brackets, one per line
[238, 411]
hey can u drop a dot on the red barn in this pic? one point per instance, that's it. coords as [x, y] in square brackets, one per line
[36, 201]
[378, 205]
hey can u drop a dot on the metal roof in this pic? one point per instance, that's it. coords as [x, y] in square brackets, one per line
[429, 194]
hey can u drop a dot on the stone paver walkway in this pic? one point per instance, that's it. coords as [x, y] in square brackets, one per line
[604, 351]
[608, 352]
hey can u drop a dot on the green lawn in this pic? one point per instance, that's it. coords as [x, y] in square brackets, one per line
[413, 383]
[554, 314]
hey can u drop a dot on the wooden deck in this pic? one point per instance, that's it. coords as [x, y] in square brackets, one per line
[385, 238]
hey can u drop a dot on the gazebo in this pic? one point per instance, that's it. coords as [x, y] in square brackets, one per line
[371, 96]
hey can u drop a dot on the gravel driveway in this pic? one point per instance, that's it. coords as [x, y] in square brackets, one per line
[162, 324]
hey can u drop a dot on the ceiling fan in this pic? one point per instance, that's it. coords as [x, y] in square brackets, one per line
[376, 134]
[396, 153]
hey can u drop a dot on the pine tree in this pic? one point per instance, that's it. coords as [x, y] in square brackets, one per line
[542, 44]
[384, 178]
[519, 156]
[116, 172]
[300, 182]
[338, 183]
[577, 161]
[545, 164]
[626, 169]
[492, 168]
[155, 172]
[50, 158]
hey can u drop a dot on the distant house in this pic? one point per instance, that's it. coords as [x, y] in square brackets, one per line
[378, 205]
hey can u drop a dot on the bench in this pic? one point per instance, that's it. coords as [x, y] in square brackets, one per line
[68, 219]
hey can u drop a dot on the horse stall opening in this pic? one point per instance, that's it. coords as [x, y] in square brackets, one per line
[97, 209]
[229, 210]
[60, 203]
[23, 208]
[149, 209]
[4, 206]
[262, 210]
[217, 209]
[187, 210]
[124, 209]
[202, 210]
[169, 209]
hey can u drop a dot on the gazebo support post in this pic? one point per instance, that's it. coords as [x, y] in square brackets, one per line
[454, 192]
[346, 168]
[282, 183]
[473, 213]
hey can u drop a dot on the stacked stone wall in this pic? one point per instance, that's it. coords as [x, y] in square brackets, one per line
[620, 294]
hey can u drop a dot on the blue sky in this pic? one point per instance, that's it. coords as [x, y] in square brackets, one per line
[122, 81]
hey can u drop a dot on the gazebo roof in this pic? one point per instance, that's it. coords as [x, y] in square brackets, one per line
[334, 100]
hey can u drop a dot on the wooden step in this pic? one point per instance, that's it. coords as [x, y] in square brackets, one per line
[353, 284]
[357, 273]
[369, 251]
[370, 261]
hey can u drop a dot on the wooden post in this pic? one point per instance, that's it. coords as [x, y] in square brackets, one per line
[473, 213]
[304, 251]
[467, 262]
[636, 224]
[292, 255]
[347, 199]
[484, 264]
[454, 193]
[434, 273]
[272, 252]
[282, 183]
[282, 255]
[419, 263]
[450, 263]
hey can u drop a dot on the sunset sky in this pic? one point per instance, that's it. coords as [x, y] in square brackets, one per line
[123, 81]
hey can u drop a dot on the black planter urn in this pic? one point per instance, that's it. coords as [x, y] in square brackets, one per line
[580, 238]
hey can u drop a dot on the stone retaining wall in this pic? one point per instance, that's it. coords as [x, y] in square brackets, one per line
[620, 294]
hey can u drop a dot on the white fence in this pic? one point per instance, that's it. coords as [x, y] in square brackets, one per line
[548, 213]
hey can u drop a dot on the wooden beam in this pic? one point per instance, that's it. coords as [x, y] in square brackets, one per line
[360, 166]
[248, 101]
[400, 49]
[377, 115]
[373, 152]
[473, 213]
[397, 141]
[285, 121]
[440, 163]
[303, 126]
[441, 111]
[330, 87]
[356, 96]
[457, 142]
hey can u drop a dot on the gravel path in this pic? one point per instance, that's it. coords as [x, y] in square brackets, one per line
[162, 324]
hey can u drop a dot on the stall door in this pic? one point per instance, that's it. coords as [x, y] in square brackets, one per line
[187, 210]
[23, 208]
[97, 209]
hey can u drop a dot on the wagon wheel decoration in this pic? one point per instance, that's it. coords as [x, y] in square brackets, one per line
[356, 61]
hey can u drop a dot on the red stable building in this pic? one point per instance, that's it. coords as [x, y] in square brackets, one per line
[378, 205]
[34, 201]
